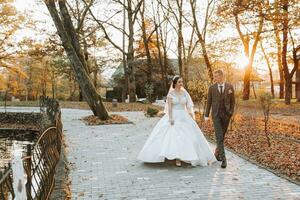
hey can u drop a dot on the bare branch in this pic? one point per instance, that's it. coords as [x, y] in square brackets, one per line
[84, 13]
[104, 31]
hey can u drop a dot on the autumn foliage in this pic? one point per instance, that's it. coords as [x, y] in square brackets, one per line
[248, 139]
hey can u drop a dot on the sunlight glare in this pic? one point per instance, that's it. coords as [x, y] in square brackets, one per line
[242, 61]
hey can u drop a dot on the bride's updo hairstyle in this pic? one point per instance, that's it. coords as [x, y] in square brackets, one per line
[175, 80]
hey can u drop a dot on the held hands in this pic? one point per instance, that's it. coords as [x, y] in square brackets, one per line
[206, 119]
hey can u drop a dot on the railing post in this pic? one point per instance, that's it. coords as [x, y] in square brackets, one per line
[5, 100]
[1, 187]
[28, 184]
[10, 182]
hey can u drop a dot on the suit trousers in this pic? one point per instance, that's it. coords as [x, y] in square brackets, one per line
[221, 123]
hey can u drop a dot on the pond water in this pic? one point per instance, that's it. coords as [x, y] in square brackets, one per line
[10, 139]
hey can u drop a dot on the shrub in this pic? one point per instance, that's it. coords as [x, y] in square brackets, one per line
[152, 111]
[265, 100]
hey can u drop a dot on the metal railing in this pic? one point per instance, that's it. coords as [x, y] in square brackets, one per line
[6, 187]
[39, 163]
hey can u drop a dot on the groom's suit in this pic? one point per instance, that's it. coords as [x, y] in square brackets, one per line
[222, 102]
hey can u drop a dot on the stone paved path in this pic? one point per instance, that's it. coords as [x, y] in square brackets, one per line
[104, 166]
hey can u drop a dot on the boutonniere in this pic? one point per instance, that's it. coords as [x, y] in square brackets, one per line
[229, 91]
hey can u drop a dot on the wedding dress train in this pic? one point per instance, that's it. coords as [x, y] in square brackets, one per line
[183, 140]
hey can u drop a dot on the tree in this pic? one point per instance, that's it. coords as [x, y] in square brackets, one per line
[265, 101]
[70, 42]
[160, 21]
[86, 33]
[246, 43]
[285, 18]
[131, 8]
[10, 22]
[287, 74]
[276, 25]
[147, 45]
[202, 34]
[246, 13]
[269, 68]
[298, 81]
[176, 11]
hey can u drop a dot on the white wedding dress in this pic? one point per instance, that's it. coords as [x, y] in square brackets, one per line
[183, 140]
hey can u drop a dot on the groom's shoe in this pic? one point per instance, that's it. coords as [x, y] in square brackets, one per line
[224, 163]
[218, 157]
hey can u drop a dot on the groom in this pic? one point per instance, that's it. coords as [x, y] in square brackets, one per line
[221, 99]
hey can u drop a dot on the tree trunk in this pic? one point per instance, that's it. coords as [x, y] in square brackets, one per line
[80, 96]
[160, 59]
[186, 71]
[86, 56]
[179, 51]
[247, 76]
[130, 55]
[279, 63]
[298, 82]
[70, 85]
[180, 37]
[53, 85]
[270, 69]
[146, 45]
[288, 91]
[288, 78]
[254, 93]
[71, 45]
[201, 40]
[95, 78]
[277, 27]
[125, 85]
[164, 57]
[246, 41]
[296, 69]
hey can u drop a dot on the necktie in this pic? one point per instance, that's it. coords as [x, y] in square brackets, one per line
[221, 89]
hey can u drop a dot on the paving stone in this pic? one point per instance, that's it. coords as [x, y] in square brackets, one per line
[105, 167]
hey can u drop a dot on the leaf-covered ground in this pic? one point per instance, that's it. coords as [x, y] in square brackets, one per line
[247, 138]
[121, 107]
[114, 119]
[247, 135]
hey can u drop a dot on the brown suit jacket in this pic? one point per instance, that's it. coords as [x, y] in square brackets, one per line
[213, 100]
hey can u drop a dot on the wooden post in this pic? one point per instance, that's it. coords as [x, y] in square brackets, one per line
[28, 184]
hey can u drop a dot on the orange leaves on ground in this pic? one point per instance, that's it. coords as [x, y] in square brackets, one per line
[247, 137]
[114, 119]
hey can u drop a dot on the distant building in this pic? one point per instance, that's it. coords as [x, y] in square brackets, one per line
[117, 80]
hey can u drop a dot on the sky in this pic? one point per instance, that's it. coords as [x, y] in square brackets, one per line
[38, 12]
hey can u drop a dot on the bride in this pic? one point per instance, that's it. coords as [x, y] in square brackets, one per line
[176, 135]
